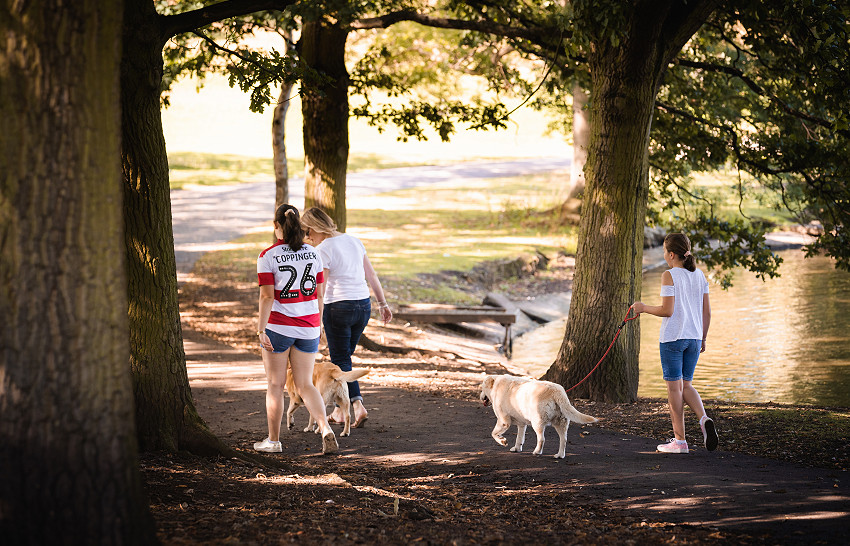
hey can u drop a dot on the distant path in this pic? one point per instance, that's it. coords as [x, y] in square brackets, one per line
[206, 217]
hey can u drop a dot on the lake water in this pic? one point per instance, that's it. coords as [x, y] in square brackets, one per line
[782, 340]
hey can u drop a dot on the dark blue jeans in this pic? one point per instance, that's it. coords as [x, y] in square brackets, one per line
[344, 322]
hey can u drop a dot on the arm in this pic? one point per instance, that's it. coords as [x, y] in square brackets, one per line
[377, 289]
[706, 319]
[265, 305]
[666, 307]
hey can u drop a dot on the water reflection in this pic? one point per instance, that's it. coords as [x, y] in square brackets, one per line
[783, 340]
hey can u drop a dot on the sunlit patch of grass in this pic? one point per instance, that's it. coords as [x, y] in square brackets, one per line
[215, 169]
[443, 227]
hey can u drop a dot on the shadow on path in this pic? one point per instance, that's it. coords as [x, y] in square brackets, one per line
[424, 435]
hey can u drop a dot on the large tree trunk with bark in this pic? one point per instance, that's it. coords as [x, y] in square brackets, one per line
[325, 112]
[624, 82]
[165, 412]
[68, 462]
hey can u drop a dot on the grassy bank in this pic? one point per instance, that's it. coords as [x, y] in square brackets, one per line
[445, 226]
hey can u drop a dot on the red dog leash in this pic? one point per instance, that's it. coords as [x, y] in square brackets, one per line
[622, 324]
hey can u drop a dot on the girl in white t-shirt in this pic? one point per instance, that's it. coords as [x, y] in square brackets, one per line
[349, 276]
[686, 316]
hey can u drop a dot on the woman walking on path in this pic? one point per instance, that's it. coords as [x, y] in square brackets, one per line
[686, 315]
[349, 275]
[291, 279]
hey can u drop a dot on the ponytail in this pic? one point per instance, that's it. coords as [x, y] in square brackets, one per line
[286, 217]
[680, 245]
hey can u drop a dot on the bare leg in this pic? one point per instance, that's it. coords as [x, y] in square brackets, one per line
[302, 373]
[692, 399]
[275, 365]
[360, 412]
[677, 408]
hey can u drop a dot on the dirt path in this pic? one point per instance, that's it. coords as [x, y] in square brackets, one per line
[414, 434]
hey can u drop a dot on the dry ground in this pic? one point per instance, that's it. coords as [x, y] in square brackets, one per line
[286, 499]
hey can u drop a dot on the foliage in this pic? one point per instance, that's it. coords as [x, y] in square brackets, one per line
[762, 88]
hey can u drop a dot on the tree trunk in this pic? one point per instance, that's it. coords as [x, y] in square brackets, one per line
[581, 135]
[68, 461]
[165, 412]
[281, 169]
[325, 112]
[624, 82]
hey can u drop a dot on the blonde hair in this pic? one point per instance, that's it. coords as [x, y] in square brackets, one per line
[315, 219]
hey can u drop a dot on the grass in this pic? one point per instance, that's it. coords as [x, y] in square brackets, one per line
[215, 169]
[444, 226]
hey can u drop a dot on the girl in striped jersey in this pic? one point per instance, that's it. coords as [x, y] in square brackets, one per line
[292, 289]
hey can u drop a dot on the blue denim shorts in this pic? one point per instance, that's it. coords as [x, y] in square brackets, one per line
[679, 359]
[282, 343]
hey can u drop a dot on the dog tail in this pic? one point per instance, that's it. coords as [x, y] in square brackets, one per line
[572, 413]
[347, 377]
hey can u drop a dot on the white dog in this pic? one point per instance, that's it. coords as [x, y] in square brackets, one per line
[522, 401]
[333, 386]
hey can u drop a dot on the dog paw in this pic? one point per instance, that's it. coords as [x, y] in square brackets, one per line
[343, 434]
[516, 449]
[500, 440]
[560, 455]
[537, 452]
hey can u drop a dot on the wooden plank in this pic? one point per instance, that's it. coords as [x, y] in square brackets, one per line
[446, 315]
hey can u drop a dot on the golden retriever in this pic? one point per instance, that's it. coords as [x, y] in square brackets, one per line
[522, 401]
[332, 383]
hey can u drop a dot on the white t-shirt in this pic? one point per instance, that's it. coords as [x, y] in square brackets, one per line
[296, 277]
[342, 255]
[688, 290]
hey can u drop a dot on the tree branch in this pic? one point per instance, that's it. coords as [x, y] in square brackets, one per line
[487, 27]
[180, 23]
[756, 88]
[736, 147]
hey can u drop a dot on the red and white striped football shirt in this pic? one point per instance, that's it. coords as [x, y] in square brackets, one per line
[296, 277]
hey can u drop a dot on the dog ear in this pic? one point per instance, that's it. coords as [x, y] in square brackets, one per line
[488, 382]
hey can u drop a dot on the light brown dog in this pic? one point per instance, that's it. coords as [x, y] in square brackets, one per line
[522, 401]
[333, 386]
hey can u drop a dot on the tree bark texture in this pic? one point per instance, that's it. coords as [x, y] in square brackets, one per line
[68, 459]
[165, 412]
[281, 169]
[325, 112]
[624, 82]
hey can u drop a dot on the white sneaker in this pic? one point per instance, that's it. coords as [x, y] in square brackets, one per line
[268, 446]
[673, 446]
[329, 444]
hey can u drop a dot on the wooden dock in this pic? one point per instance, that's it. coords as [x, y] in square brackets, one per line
[452, 314]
